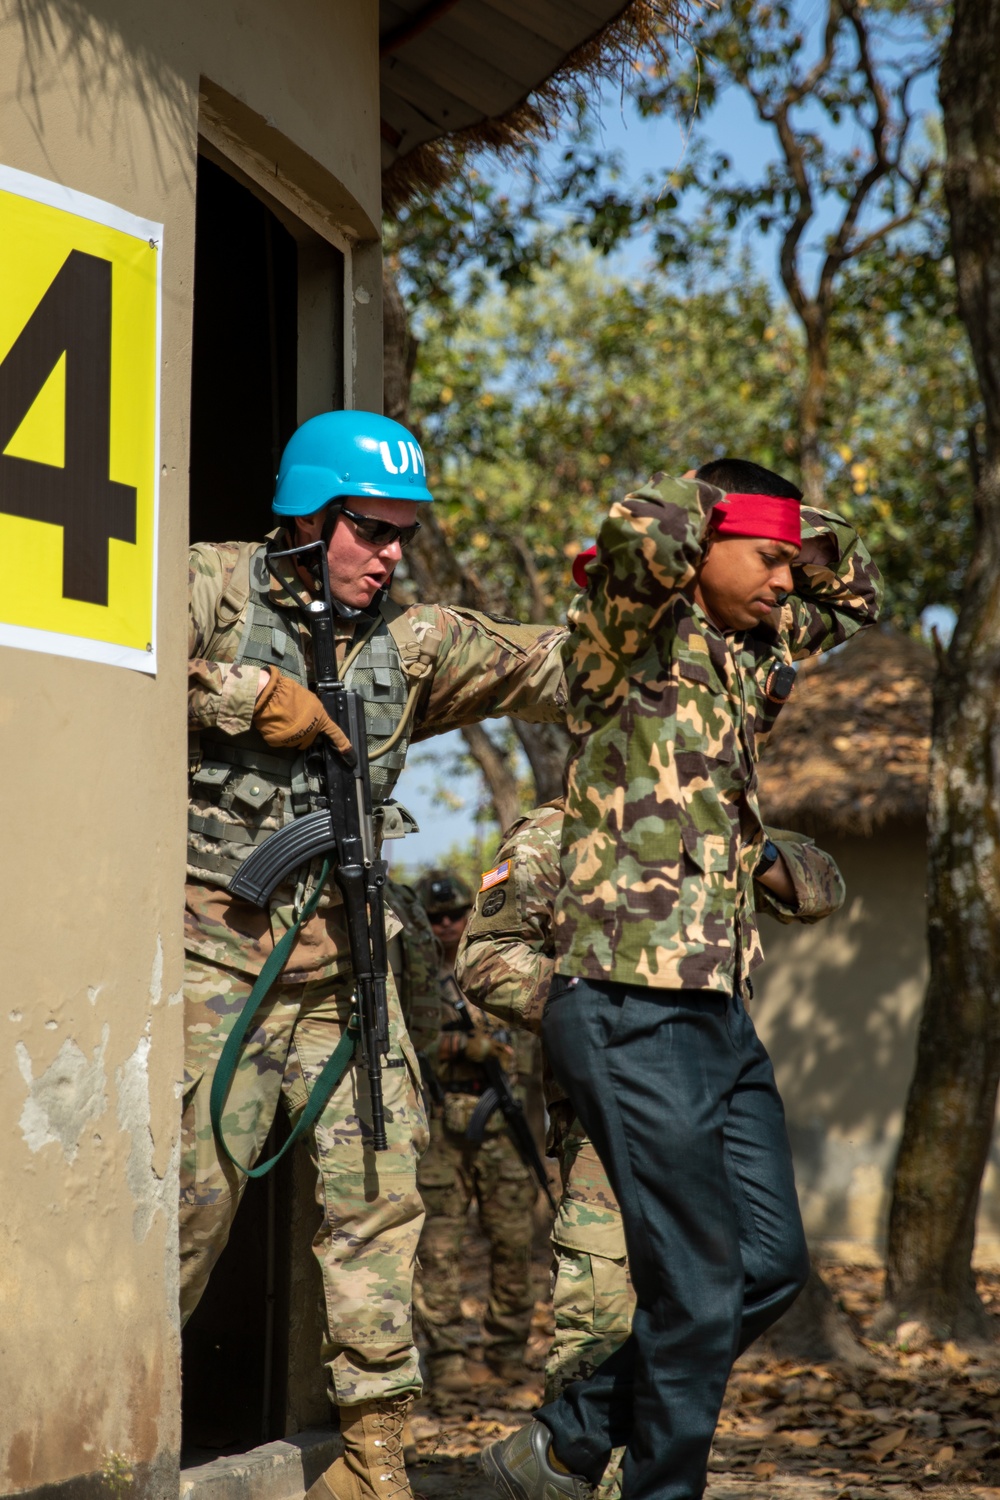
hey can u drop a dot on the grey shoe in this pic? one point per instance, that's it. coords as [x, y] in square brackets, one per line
[519, 1468]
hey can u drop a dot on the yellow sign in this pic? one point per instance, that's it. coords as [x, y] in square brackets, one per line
[79, 424]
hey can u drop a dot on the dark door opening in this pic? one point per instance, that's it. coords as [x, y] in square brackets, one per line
[244, 358]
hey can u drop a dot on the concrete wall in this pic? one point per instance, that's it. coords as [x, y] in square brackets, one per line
[837, 1006]
[104, 97]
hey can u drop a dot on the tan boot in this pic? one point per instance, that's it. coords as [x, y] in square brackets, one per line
[372, 1466]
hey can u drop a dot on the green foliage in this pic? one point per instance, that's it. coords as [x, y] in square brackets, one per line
[117, 1476]
[540, 405]
[545, 386]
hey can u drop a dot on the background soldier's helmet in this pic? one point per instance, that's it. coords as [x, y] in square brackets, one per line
[440, 890]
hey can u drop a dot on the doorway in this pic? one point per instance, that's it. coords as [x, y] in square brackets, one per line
[267, 352]
[244, 357]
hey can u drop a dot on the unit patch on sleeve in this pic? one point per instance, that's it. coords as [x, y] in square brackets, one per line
[493, 902]
[496, 876]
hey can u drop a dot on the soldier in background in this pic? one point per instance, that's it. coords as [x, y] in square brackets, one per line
[504, 963]
[455, 1171]
[415, 959]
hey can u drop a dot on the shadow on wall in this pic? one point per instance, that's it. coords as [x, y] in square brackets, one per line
[100, 53]
[837, 1005]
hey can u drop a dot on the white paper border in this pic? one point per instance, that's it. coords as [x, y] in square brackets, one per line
[57, 195]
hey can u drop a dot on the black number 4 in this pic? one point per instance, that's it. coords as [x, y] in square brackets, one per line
[74, 317]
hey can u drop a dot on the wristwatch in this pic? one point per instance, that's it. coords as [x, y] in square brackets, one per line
[768, 857]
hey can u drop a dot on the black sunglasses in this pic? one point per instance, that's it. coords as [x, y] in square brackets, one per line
[380, 533]
[452, 914]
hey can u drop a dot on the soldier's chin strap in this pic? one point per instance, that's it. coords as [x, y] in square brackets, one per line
[333, 1070]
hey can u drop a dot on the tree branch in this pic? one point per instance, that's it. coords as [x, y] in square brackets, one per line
[494, 764]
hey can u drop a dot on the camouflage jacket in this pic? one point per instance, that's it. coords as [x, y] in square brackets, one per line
[480, 666]
[507, 953]
[415, 957]
[668, 714]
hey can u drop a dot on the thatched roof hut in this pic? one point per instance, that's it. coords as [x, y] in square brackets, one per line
[462, 74]
[838, 1005]
[849, 753]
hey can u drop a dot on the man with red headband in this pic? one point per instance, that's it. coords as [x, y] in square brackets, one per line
[701, 594]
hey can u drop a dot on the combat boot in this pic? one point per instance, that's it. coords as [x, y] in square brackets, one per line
[371, 1467]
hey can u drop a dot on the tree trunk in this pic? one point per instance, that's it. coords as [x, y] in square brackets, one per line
[816, 1329]
[812, 405]
[495, 766]
[951, 1106]
[547, 749]
[399, 350]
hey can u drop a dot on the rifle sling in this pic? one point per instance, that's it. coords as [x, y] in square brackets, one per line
[333, 1070]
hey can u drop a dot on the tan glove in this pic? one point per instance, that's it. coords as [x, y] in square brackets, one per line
[481, 1046]
[289, 717]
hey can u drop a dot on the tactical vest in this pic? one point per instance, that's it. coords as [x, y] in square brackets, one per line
[242, 790]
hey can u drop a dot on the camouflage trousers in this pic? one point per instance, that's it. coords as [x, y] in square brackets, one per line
[592, 1296]
[453, 1173]
[372, 1215]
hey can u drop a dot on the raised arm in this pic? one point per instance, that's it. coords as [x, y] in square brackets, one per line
[838, 588]
[647, 550]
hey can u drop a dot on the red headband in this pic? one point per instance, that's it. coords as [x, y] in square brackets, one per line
[580, 562]
[771, 516]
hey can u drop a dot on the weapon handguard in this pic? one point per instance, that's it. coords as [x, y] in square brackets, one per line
[500, 1095]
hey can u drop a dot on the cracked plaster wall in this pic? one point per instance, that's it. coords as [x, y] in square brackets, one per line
[105, 97]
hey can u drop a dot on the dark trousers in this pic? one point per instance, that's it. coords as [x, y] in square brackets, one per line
[678, 1095]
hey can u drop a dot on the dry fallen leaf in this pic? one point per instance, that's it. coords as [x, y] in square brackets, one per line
[887, 1443]
[954, 1356]
[801, 1437]
[944, 1455]
[764, 1471]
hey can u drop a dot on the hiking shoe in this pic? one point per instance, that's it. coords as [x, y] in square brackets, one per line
[520, 1468]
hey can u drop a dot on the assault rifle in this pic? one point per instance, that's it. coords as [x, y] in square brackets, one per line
[342, 826]
[500, 1096]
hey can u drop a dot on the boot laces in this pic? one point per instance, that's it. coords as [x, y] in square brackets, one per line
[390, 1445]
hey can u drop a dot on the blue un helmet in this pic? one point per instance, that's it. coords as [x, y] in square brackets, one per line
[344, 453]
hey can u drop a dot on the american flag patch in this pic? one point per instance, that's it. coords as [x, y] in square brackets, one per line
[495, 877]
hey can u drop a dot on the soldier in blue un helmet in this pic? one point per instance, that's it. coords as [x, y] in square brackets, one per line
[357, 481]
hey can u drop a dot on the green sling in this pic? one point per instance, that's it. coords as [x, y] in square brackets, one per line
[334, 1068]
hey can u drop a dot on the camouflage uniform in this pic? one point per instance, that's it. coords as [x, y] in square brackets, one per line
[430, 669]
[655, 940]
[456, 1172]
[505, 963]
[668, 716]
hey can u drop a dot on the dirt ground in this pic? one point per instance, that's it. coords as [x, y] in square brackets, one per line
[926, 1421]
